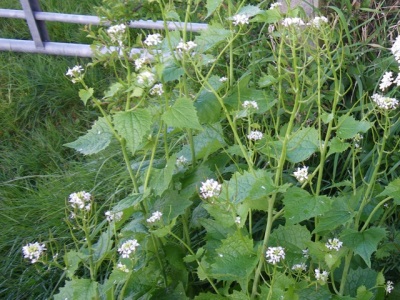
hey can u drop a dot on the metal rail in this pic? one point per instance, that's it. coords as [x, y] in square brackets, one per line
[41, 43]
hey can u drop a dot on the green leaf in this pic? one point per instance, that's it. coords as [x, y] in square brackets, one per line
[236, 259]
[364, 294]
[348, 127]
[212, 6]
[363, 243]
[172, 71]
[182, 115]
[133, 127]
[171, 204]
[336, 145]
[212, 36]
[300, 205]
[95, 140]
[103, 246]
[242, 92]
[78, 289]
[302, 144]
[249, 10]
[392, 190]
[358, 278]
[266, 80]
[333, 219]
[326, 118]
[160, 179]
[114, 89]
[207, 105]
[312, 293]
[294, 238]
[72, 259]
[85, 95]
[268, 16]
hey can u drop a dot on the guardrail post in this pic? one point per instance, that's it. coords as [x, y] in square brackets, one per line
[37, 28]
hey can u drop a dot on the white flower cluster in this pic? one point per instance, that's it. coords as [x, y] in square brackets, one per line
[322, 277]
[80, 200]
[240, 19]
[75, 73]
[250, 104]
[389, 287]
[153, 39]
[140, 62]
[255, 135]
[318, 21]
[301, 174]
[275, 254]
[33, 251]
[386, 81]
[223, 79]
[113, 216]
[334, 244]
[396, 49]
[305, 253]
[122, 267]
[275, 5]
[128, 247]
[155, 216]
[116, 33]
[357, 140]
[146, 78]
[210, 188]
[181, 161]
[286, 22]
[157, 89]
[299, 267]
[384, 102]
[238, 220]
[185, 47]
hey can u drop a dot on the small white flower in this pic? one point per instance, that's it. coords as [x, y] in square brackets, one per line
[292, 22]
[240, 19]
[389, 287]
[237, 220]
[75, 73]
[186, 47]
[397, 80]
[128, 247]
[113, 216]
[255, 135]
[299, 267]
[33, 251]
[385, 103]
[155, 216]
[153, 39]
[322, 277]
[116, 33]
[386, 81]
[157, 89]
[140, 62]
[250, 104]
[80, 200]
[301, 174]
[318, 21]
[275, 5]
[122, 267]
[396, 49]
[305, 253]
[181, 161]
[334, 244]
[210, 188]
[146, 78]
[275, 254]
[223, 79]
[357, 140]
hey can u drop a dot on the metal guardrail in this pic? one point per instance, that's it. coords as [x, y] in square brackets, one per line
[41, 43]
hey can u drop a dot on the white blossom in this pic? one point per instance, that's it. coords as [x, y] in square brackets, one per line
[389, 287]
[322, 277]
[181, 161]
[397, 80]
[305, 253]
[386, 81]
[186, 47]
[140, 62]
[240, 19]
[334, 244]
[80, 200]
[33, 251]
[116, 33]
[237, 220]
[128, 247]
[301, 174]
[357, 140]
[292, 21]
[396, 49]
[318, 21]
[275, 5]
[223, 79]
[155, 216]
[210, 188]
[157, 89]
[384, 102]
[275, 254]
[113, 216]
[146, 78]
[153, 39]
[250, 104]
[255, 135]
[75, 73]
[122, 267]
[299, 267]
